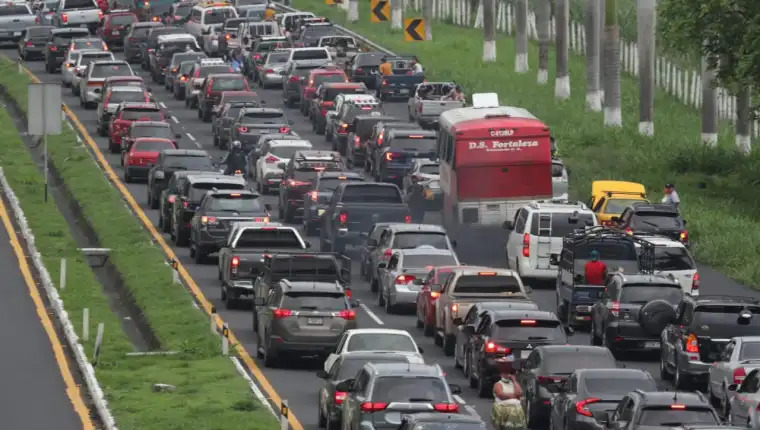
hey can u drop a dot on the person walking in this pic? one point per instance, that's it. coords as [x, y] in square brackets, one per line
[507, 412]
[671, 196]
[415, 198]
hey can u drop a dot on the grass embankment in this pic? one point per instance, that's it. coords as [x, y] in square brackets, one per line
[722, 218]
[210, 394]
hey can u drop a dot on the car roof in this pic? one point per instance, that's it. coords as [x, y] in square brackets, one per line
[186, 152]
[658, 240]
[263, 109]
[357, 331]
[400, 227]
[184, 173]
[723, 300]
[140, 105]
[476, 270]
[175, 36]
[369, 355]
[587, 349]
[127, 89]
[511, 303]
[257, 224]
[332, 174]
[664, 398]
[147, 24]
[150, 124]
[70, 30]
[610, 373]
[405, 369]
[317, 154]
[515, 314]
[399, 132]
[226, 75]
[654, 207]
[557, 205]
[425, 250]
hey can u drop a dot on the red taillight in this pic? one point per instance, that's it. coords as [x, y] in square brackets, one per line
[408, 219]
[343, 129]
[235, 262]
[282, 313]
[684, 236]
[580, 407]
[208, 90]
[284, 130]
[197, 74]
[446, 407]
[313, 195]
[388, 156]
[373, 406]
[243, 129]
[347, 314]
[271, 159]
[549, 379]
[100, 14]
[387, 253]
[628, 230]
[53, 48]
[357, 142]
[107, 98]
[257, 57]
[65, 17]
[526, 245]
[205, 220]
[29, 43]
[615, 309]
[228, 36]
[695, 282]
[183, 78]
[340, 396]
[187, 205]
[385, 82]
[349, 294]
[495, 348]
[269, 71]
[405, 279]
[691, 344]
[454, 308]
[294, 79]
[380, 139]
[739, 375]
[359, 70]
[36, 21]
[343, 218]
[434, 294]
[172, 198]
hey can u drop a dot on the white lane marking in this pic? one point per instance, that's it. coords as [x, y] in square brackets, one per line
[163, 106]
[459, 399]
[174, 118]
[371, 314]
[191, 137]
[473, 412]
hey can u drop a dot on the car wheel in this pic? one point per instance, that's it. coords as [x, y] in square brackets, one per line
[269, 359]
[127, 176]
[389, 308]
[428, 329]
[200, 256]
[484, 391]
[373, 285]
[161, 223]
[229, 300]
[449, 342]
[665, 374]
[154, 203]
[321, 420]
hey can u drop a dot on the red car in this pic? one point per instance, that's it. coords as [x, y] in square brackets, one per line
[115, 26]
[155, 129]
[428, 296]
[142, 155]
[314, 79]
[127, 113]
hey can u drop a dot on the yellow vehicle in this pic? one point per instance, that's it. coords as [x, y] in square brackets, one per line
[610, 198]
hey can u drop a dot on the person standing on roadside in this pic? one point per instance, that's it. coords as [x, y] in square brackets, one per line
[671, 196]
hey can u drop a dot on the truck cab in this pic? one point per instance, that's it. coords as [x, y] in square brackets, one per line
[610, 198]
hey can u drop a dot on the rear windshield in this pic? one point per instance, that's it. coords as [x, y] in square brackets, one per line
[334, 77]
[607, 251]
[183, 10]
[79, 4]
[413, 239]
[486, 284]
[381, 342]
[152, 145]
[254, 13]
[14, 10]
[177, 45]
[122, 19]
[528, 329]
[643, 293]
[228, 84]
[669, 417]
[431, 169]
[261, 29]
[152, 131]
[369, 59]
[351, 366]
[317, 31]
[723, 321]
[330, 184]
[430, 261]
[142, 114]
[309, 301]
[189, 57]
[617, 206]
[331, 93]
[620, 387]
[286, 152]
[89, 44]
[311, 173]
[310, 54]
[106, 70]
[187, 162]
[263, 115]
[305, 265]
[672, 258]
[233, 24]
[371, 194]
[218, 15]
[89, 58]
[278, 57]
[141, 32]
[64, 37]
[562, 223]
[198, 190]
[208, 70]
[565, 361]
[427, 144]
[409, 389]
[38, 32]
[270, 238]
[750, 350]
[186, 67]
[652, 222]
[235, 203]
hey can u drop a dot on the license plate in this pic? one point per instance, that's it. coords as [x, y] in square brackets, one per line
[320, 212]
[115, 33]
[17, 33]
[315, 321]
[404, 91]
[652, 344]
[525, 353]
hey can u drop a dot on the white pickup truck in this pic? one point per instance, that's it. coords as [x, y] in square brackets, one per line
[14, 18]
[77, 13]
[427, 105]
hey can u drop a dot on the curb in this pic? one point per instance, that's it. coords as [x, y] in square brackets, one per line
[57, 305]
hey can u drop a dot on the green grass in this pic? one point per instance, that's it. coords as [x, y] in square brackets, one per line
[210, 394]
[722, 218]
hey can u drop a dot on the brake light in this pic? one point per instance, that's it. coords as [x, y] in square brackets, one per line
[235, 262]
[340, 396]
[434, 294]
[373, 406]
[343, 129]
[284, 130]
[174, 70]
[580, 407]
[100, 14]
[269, 71]
[495, 348]
[282, 313]
[679, 407]
[347, 314]
[419, 108]
[65, 17]
[357, 142]
[385, 82]
[486, 273]
[684, 236]
[405, 279]
[387, 253]
[527, 322]
[227, 36]
[380, 139]
[388, 156]
[208, 89]
[526, 245]
[446, 407]
[172, 198]
[29, 43]
[739, 375]
[36, 21]
[243, 129]
[349, 294]
[695, 282]
[628, 230]
[53, 48]
[272, 159]
[107, 98]
[454, 308]
[343, 218]
[186, 204]
[293, 79]
[691, 344]
[197, 73]
[408, 219]
[313, 195]
[615, 309]
[183, 78]
[206, 220]
[359, 70]
[257, 57]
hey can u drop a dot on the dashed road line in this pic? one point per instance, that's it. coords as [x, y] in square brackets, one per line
[174, 118]
[371, 314]
[472, 412]
[459, 399]
[191, 137]
[163, 106]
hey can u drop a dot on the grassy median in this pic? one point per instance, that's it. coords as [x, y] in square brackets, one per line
[210, 394]
[722, 213]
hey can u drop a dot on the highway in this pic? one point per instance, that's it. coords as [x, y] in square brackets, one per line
[297, 382]
[38, 389]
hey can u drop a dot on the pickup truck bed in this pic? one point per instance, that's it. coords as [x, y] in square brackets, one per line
[426, 112]
[14, 18]
[397, 85]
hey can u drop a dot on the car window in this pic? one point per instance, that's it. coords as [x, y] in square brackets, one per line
[528, 330]
[218, 15]
[142, 114]
[413, 239]
[330, 184]
[750, 350]
[350, 367]
[89, 58]
[150, 131]
[616, 206]
[208, 70]
[430, 169]
[604, 387]
[672, 258]
[324, 78]
[310, 54]
[381, 342]
[121, 19]
[235, 203]
[486, 284]
[314, 301]
[264, 238]
[141, 32]
[668, 416]
[126, 96]
[371, 194]
[430, 261]
[14, 10]
[566, 360]
[188, 162]
[643, 293]
[152, 145]
[722, 321]
[409, 389]
[426, 144]
[285, 151]
[228, 84]
[199, 189]
[106, 70]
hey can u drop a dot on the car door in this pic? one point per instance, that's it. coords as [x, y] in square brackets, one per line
[387, 275]
[719, 371]
[515, 241]
[743, 398]
[462, 347]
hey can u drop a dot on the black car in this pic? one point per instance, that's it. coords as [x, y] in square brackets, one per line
[302, 169]
[179, 79]
[439, 421]
[169, 195]
[136, 38]
[252, 123]
[661, 410]
[589, 394]
[361, 132]
[32, 44]
[148, 49]
[344, 121]
[650, 218]
[393, 159]
[163, 54]
[346, 367]
[217, 210]
[57, 43]
[315, 201]
[379, 133]
[507, 334]
[221, 122]
[547, 368]
[189, 197]
[172, 70]
[364, 67]
[633, 310]
[173, 160]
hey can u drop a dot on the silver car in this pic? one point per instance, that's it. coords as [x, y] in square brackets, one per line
[740, 356]
[79, 70]
[396, 278]
[91, 85]
[743, 407]
[270, 70]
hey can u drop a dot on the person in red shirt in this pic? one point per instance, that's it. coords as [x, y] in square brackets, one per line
[595, 270]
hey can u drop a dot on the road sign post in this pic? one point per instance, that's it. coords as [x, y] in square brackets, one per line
[44, 99]
[380, 10]
[414, 29]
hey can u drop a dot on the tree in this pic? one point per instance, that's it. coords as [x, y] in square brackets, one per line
[593, 46]
[709, 106]
[521, 36]
[646, 40]
[396, 14]
[489, 31]
[562, 21]
[543, 28]
[612, 115]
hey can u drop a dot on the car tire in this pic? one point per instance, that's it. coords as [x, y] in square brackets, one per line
[472, 382]
[665, 374]
[373, 286]
[427, 329]
[161, 226]
[200, 256]
[321, 420]
[594, 337]
[127, 177]
[380, 298]
[229, 301]
[437, 339]
[319, 129]
[270, 360]
[154, 203]
[449, 342]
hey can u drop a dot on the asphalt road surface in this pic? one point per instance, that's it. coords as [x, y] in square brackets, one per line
[33, 389]
[297, 382]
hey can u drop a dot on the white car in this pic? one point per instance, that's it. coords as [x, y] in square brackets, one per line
[672, 258]
[274, 154]
[205, 18]
[375, 340]
[92, 84]
[739, 357]
[84, 59]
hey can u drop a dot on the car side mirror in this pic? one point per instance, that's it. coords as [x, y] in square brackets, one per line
[308, 244]
[267, 207]
[322, 374]
[553, 260]
[569, 331]
[733, 387]
[684, 223]
[177, 136]
[455, 389]
[507, 225]
[282, 165]
[372, 241]
[259, 301]
[345, 386]
[382, 265]
[420, 350]
[457, 321]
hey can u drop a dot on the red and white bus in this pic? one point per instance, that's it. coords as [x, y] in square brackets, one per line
[493, 160]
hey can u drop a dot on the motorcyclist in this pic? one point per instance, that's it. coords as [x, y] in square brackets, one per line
[270, 12]
[236, 159]
[237, 60]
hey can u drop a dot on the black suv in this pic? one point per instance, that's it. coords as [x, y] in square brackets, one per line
[302, 169]
[700, 330]
[652, 218]
[170, 161]
[633, 310]
[361, 131]
[393, 158]
[315, 201]
[220, 124]
[661, 409]
[57, 44]
[169, 195]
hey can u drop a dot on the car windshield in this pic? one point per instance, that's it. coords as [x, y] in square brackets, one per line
[365, 60]
[430, 169]
[331, 93]
[39, 32]
[487, 284]
[405, 144]
[106, 70]
[667, 416]
[254, 13]
[371, 194]
[183, 10]
[65, 37]
[381, 342]
[142, 114]
[79, 4]
[152, 145]
[722, 321]
[330, 184]
[672, 258]
[349, 367]
[152, 131]
[14, 10]
[528, 329]
[617, 385]
[323, 78]
[285, 151]
[199, 189]
[268, 238]
[653, 222]
[187, 162]
[413, 239]
[617, 206]
[410, 389]
[314, 301]
[141, 32]
[562, 223]
[750, 350]
[277, 57]
[232, 24]
[228, 84]
[218, 15]
[429, 261]
[564, 361]
[126, 96]
[643, 293]
[122, 19]
[236, 203]
[208, 70]
[88, 44]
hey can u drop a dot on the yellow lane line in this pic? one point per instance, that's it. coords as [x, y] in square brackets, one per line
[72, 389]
